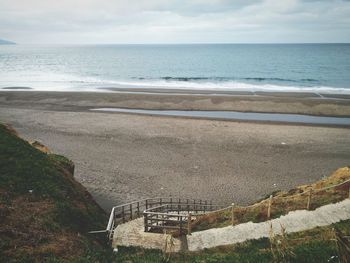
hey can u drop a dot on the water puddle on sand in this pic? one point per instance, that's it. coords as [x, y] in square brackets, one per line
[239, 116]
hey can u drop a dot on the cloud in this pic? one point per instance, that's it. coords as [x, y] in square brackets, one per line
[174, 21]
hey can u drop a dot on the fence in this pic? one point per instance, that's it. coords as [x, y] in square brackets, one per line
[175, 216]
[274, 206]
[133, 210]
[181, 215]
[309, 193]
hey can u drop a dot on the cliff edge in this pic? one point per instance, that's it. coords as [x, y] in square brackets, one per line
[45, 213]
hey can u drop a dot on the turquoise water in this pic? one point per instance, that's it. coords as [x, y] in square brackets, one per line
[290, 67]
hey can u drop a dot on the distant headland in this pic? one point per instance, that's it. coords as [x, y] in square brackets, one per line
[6, 42]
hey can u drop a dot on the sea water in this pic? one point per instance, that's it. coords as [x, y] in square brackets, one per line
[320, 68]
[239, 116]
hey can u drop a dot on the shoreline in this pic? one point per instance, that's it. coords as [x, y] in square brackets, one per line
[189, 91]
[214, 92]
[285, 103]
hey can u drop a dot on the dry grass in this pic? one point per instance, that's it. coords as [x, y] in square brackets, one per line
[283, 202]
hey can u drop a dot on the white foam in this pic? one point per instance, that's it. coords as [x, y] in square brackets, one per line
[49, 81]
[230, 86]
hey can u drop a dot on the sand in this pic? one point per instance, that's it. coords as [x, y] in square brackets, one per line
[281, 102]
[124, 157]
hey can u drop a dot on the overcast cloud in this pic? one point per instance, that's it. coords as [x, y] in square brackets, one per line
[181, 21]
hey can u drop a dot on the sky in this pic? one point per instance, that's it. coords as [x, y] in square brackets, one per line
[174, 21]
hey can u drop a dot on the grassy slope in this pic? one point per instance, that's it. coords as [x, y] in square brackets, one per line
[283, 202]
[44, 213]
[312, 246]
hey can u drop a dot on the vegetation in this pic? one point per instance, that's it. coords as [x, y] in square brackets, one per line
[45, 214]
[317, 245]
[282, 202]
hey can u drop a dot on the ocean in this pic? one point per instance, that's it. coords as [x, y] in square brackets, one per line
[319, 68]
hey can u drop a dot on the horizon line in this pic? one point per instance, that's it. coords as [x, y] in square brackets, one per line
[186, 43]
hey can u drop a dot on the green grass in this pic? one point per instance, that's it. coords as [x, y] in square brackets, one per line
[36, 178]
[313, 252]
[24, 168]
[312, 246]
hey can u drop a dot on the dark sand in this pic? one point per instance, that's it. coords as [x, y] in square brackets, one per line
[281, 102]
[123, 157]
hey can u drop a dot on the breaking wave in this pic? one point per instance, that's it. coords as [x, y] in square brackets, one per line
[68, 82]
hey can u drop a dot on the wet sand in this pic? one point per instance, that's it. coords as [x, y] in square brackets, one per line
[279, 102]
[123, 157]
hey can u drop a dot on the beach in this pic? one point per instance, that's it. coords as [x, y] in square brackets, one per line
[123, 157]
[319, 104]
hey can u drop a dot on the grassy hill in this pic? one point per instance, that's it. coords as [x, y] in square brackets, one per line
[336, 189]
[44, 213]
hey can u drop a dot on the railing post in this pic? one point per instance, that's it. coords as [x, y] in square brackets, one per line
[189, 224]
[138, 209]
[160, 201]
[309, 200]
[146, 204]
[180, 225]
[123, 214]
[130, 211]
[205, 205]
[269, 208]
[145, 221]
[233, 214]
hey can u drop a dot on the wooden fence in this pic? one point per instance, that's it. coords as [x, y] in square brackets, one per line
[175, 216]
[129, 211]
[168, 213]
[275, 206]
